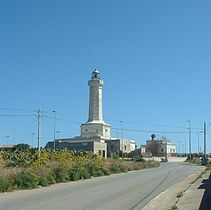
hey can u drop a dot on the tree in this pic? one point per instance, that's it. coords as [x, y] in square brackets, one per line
[22, 147]
[153, 147]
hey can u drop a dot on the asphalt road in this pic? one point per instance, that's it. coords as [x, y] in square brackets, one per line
[129, 191]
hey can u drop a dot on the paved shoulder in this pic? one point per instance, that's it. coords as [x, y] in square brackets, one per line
[167, 199]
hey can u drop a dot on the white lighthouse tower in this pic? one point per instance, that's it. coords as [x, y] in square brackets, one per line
[95, 125]
[95, 98]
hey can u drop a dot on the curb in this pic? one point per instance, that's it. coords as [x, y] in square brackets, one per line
[192, 197]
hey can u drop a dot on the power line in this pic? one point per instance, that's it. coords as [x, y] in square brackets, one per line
[148, 124]
[62, 120]
[147, 131]
[14, 109]
[76, 122]
[16, 115]
[130, 122]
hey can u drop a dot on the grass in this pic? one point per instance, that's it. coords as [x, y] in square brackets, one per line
[173, 207]
[179, 195]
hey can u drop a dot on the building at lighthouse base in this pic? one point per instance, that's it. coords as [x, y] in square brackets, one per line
[99, 145]
[93, 138]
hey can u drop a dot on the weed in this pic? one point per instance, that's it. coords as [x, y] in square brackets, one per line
[179, 195]
[173, 207]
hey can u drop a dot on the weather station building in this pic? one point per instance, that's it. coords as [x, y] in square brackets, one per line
[95, 133]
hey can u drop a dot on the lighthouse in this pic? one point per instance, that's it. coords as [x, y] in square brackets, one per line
[95, 125]
[95, 98]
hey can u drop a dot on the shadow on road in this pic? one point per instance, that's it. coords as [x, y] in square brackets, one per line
[206, 200]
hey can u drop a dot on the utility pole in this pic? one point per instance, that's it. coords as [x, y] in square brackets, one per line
[198, 134]
[198, 142]
[38, 132]
[189, 127]
[122, 138]
[54, 132]
[185, 145]
[32, 139]
[205, 155]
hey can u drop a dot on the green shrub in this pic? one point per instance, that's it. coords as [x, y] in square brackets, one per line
[61, 175]
[43, 181]
[73, 175]
[96, 173]
[4, 185]
[115, 169]
[51, 179]
[105, 171]
[84, 174]
[100, 173]
[25, 180]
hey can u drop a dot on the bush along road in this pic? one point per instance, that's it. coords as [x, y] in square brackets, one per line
[24, 168]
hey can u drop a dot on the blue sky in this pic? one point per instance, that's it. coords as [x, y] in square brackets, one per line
[154, 57]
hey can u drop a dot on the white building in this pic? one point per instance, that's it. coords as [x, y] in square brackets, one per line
[128, 145]
[166, 148]
[162, 148]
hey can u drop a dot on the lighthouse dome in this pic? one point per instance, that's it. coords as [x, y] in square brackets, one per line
[95, 74]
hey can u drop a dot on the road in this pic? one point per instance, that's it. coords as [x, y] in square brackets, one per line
[129, 191]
